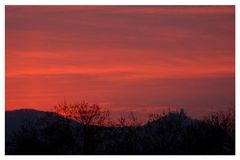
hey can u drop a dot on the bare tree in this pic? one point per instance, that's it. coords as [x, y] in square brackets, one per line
[129, 120]
[84, 113]
[225, 120]
[89, 115]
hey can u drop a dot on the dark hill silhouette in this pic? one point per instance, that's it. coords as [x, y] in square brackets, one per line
[16, 118]
[174, 133]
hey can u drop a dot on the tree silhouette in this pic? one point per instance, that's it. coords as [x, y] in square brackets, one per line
[82, 129]
[84, 113]
[225, 120]
[90, 116]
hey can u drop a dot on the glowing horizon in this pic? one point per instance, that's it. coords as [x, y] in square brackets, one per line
[126, 58]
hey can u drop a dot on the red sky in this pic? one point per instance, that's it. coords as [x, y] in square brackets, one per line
[126, 58]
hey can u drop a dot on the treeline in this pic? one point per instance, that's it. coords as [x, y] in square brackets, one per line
[87, 129]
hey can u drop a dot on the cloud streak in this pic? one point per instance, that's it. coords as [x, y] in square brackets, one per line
[128, 56]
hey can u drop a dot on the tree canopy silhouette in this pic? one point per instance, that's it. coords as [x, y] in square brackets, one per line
[81, 129]
[84, 113]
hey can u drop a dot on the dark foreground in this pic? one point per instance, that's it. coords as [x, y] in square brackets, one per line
[173, 133]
